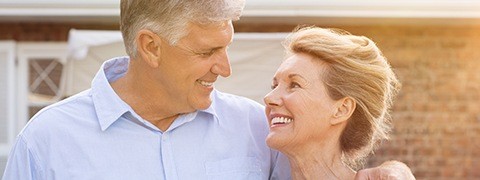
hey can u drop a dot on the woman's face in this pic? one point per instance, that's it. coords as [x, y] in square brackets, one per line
[298, 108]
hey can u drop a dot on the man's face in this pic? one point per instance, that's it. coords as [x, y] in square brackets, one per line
[188, 70]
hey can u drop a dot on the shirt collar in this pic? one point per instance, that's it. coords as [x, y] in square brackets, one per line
[211, 108]
[188, 117]
[185, 118]
[108, 105]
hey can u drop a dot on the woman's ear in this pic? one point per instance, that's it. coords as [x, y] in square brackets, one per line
[148, 47]
[344, 109]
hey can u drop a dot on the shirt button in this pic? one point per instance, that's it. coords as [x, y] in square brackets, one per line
[164, 137]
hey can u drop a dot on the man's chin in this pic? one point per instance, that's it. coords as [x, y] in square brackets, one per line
[203, 104]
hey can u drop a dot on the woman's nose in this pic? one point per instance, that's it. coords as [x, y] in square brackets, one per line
[272, 99]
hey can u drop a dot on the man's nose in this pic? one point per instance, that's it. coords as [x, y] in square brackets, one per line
[222, 66]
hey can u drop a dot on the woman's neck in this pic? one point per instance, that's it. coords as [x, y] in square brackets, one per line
[323, 161]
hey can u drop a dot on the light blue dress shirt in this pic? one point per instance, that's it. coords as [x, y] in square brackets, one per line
[95, 135]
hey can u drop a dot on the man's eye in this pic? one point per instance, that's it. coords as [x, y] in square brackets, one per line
[207, 54]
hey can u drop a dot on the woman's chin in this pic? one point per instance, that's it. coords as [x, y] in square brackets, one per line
[274, 141]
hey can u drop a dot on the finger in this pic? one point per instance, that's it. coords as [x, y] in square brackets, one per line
[363, 175]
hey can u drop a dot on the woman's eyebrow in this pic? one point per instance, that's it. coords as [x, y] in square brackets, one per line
[291, 76]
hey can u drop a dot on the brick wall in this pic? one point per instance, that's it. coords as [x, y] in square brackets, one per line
[44, 31]
[436, 115]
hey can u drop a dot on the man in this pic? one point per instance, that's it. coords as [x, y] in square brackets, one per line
[155, 114]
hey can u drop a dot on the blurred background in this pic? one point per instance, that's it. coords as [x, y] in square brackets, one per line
[51, 49]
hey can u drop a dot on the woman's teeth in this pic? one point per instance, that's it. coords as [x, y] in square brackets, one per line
[281, 120]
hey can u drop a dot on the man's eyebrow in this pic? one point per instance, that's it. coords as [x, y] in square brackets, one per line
[216, 48]
[213, 49]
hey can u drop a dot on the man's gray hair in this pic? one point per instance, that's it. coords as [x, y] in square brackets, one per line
[169, 18]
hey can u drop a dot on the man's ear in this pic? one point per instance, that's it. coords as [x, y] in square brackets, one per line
[344, 109]
[148, 47]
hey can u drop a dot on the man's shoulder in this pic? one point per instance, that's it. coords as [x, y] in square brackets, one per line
[242, 114]
[237, 106]
[71, 104]
[63, 113]
[226, 100]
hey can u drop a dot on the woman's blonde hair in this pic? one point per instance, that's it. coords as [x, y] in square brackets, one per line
[355, 68]
[169, 18]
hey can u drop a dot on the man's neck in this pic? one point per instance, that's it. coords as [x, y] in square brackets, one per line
[148, 104]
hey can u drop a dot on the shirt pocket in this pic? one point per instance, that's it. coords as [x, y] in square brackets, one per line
[234, 168]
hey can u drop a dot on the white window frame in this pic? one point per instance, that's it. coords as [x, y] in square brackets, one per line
[30, 51]
[8, 47]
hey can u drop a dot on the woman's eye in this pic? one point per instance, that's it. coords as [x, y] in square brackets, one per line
[294, 85]
[273, 86]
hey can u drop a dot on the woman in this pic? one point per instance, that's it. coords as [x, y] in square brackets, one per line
[329, 102]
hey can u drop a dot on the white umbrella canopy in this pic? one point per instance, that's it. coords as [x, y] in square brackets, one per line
[87, 50]
[254, 58]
